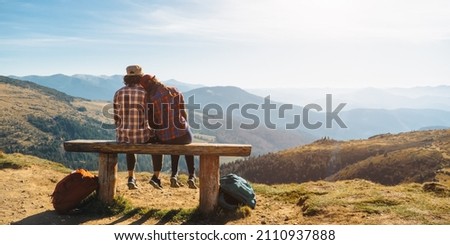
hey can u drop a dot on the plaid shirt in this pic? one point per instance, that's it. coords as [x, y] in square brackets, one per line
[166, 113]
[130, 115]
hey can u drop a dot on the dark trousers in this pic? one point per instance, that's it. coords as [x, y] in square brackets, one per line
[157, 159]
[182, 140]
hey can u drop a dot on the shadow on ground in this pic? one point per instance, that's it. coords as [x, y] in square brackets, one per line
[51, 217]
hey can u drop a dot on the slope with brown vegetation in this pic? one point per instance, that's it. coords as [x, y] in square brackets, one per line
[36, 120]
[28, 182]
[388, 159]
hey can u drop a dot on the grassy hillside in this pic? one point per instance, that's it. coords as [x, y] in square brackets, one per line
[36, 120]
[387, 159]
[29, 181]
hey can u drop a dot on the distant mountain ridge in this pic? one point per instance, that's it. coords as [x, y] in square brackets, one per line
[83, 86]
[361, 123]
[91, 87]
[424, 97]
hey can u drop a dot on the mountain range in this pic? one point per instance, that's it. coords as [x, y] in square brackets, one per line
[355, 123]
[424, 97]
[89, 86]
[36, 119]
[365, 111]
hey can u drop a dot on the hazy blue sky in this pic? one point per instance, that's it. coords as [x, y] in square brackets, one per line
[248, 43]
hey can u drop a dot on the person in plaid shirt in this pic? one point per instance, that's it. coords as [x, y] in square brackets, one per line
[167, 116]
[130, 116]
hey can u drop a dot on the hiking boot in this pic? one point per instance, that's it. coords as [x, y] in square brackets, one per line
[191, 183]
[156, 183]
[132, 183]
[175, 183]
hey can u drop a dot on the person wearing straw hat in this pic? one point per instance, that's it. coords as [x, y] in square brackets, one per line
[130, 116]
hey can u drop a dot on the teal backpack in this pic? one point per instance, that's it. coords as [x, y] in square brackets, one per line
[234, 192]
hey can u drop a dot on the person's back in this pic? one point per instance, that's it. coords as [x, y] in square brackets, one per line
[168, 118]
[167, 113]
[130, 116]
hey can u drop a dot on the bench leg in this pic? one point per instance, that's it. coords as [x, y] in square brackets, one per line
[107, 175]
[209, 183]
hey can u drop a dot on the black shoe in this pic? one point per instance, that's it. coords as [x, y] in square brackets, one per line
[156, 183]
[132, 183]
[174, 183]
[191, 183]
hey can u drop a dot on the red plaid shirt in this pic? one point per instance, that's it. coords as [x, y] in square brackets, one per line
[166, 113]
[130, 115]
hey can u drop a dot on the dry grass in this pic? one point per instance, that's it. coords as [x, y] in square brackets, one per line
[364, 202]
[19, 161]
[26, 190]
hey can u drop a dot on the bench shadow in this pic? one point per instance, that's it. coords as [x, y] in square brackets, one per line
[51, 217]
[170, 217]
[164, 220]
[125, 217]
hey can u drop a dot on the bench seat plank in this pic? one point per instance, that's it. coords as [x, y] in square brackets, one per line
[111, 146]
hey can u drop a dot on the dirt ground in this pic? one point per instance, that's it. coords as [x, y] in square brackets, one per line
[25, 196]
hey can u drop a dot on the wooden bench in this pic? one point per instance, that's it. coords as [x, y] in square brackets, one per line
[208, 171]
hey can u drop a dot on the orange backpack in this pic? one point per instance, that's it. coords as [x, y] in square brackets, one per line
[73, 189]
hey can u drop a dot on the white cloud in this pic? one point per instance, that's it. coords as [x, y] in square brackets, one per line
[301, 20]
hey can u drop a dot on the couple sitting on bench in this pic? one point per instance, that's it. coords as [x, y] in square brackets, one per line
[147, 111]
